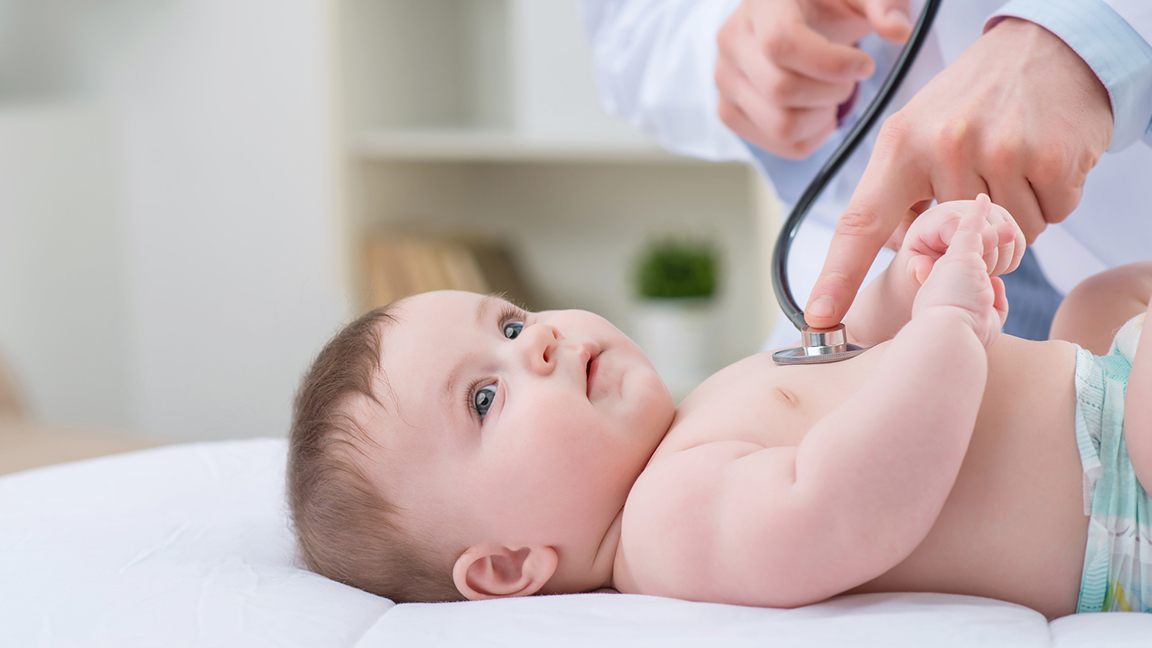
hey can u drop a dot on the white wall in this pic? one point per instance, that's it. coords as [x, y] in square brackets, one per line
[555, 91]
[231, 279]
[232, 212]
[63, 276]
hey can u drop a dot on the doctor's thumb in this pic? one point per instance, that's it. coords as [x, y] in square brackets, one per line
[891, 19]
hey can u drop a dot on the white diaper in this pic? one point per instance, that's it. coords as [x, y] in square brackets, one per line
[1128, 337]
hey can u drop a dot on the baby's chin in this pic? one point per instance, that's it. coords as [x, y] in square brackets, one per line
[660, 409]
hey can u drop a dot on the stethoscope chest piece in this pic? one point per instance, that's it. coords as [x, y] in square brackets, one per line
[820, 345]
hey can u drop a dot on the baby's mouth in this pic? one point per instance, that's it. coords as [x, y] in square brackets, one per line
[590, 373]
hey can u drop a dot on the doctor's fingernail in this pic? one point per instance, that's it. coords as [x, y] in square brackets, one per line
[822, 307]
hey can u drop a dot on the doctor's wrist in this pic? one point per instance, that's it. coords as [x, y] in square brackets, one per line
[1103, 39]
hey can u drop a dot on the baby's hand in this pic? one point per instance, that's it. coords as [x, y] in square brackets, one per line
[928, 237]
[964, 278]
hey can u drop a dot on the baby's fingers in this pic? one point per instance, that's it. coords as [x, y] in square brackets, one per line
[1019, 245]
[1010, 248]
[1000, 299]
[990, 238]
[919, 267]
[972, 231]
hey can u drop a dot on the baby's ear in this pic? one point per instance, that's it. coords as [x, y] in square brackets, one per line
[490, 570]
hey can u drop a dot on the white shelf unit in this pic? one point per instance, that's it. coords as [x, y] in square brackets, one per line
[480, 117]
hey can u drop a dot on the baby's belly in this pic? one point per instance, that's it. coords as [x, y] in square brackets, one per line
[1013, 527]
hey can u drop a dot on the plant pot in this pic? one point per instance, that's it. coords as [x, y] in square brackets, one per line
[679, 337]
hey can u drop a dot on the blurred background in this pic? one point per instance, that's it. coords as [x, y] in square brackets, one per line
[196, 194]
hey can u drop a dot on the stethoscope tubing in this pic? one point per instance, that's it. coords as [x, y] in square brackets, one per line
[795, 219]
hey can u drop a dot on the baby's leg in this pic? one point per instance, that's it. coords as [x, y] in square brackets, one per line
[1096, 308]
[1090, 317]
[1138, 409]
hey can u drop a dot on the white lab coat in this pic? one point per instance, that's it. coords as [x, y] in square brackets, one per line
[654, 65]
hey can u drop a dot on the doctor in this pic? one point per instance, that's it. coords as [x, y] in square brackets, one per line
[1018, 100]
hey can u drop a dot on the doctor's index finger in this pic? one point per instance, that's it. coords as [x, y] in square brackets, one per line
[887, 194]
[786, 39]
[853, 248]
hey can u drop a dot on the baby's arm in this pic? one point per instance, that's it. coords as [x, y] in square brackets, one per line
[785, 526]
[885, 305]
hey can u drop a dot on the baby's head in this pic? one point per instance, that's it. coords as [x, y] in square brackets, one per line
[452, 445]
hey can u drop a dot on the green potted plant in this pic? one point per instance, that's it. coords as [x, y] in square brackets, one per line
[676, 282]
[677, 269]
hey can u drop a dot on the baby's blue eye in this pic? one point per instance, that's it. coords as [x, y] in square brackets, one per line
[512, 329]
[483, 399]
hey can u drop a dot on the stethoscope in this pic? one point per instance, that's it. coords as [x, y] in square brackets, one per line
[831, 344]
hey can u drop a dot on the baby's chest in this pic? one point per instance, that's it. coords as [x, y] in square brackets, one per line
[768, 418]
[761, 403]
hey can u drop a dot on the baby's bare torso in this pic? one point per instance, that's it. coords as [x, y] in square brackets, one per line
[1013, 527]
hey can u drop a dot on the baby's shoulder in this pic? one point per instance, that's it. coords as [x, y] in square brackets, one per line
[693, 514]
[669, 511]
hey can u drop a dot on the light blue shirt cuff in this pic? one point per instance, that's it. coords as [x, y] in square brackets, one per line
[1119, 56]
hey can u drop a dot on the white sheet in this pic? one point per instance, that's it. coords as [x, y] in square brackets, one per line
[189, 545]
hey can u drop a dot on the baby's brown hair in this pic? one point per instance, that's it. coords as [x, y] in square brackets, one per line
[346, 528]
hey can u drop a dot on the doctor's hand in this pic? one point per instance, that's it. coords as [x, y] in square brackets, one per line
[784, 67]
[1018, 116]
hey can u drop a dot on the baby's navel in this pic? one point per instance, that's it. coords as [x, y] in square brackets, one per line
[784, 396]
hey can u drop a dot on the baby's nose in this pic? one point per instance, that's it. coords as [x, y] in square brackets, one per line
[543, 345]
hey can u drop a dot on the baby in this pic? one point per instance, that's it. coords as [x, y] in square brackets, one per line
[453, 446]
